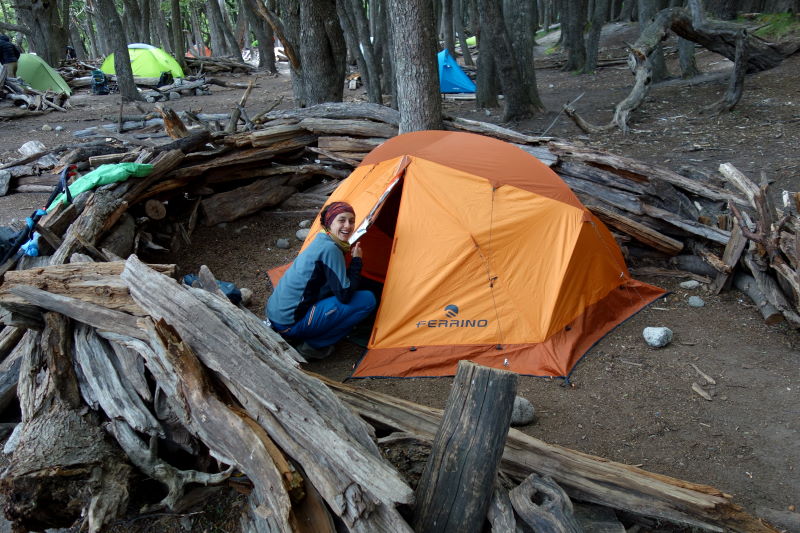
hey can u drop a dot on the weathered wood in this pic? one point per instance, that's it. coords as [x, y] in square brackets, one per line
[742, 182]
[695, 228]
[155, 210]
[103, 387]
[771, 290]
[363, 128]
[456, 487]
[63, 471]
[102, 318]
[228, 206]
[309, 419]
[501, 513]
[640, 171]
[173, 125]
[587, 190]
[344, 143]
[638, 231]
[747, 284]
[301, 201]
[544, 506]
[231, 435]
[730, 257]
[353, 162]
[89, 224]
[492, 130]
[583, 476]
[265, 136]
[341, 110]
[96, 283]
[306, 169]
[9, 337]
[9, 368]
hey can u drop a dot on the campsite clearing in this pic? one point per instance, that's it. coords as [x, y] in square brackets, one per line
[626, 402]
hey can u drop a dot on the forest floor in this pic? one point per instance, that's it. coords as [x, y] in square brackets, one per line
[626, 402]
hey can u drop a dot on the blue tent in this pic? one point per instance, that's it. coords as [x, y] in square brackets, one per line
[451, 78]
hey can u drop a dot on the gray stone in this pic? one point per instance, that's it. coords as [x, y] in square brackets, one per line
[59, 128]
[523, 412]
[657, 337]
[173, 95]
[47, 127]
[305, 224]
[5, 180]
[691, 284]
[302, 234]
[283, 244]
[31, 147]
[696, 301]
[150, 99]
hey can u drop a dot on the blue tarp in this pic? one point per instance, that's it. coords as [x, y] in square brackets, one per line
[451, 78]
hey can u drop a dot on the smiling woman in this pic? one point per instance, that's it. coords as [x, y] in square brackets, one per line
[317, 301]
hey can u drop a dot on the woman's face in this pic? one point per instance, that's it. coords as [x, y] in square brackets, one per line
[342, 226]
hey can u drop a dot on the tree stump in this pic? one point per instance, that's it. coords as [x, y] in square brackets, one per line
[456, 487]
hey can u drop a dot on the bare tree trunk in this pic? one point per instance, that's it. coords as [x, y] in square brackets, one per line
[521, 26]
[383, 49]
[230, 38]
[573, 21]
[76, 41]
[599, 17]
[447, 27]
[264, 36]
[686, 58]
[148, 35]
[416, 72]
[487, 86]
[351, 12]
[178, 42]
[518, 103]
[220, 44]
[647, 11]
[162, 33]
[458, 25]
[48, 23]
[122, 60]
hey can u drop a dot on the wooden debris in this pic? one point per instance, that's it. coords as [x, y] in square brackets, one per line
[699, 390]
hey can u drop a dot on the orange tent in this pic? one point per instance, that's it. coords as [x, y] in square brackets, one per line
[486, 255]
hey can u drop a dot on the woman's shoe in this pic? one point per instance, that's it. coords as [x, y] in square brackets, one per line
[309, 352]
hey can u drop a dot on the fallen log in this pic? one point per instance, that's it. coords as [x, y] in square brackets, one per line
[231, 205]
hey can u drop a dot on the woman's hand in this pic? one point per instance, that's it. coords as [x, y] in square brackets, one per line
[355, 251]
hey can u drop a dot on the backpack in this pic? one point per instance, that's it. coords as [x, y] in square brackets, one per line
[99, 83]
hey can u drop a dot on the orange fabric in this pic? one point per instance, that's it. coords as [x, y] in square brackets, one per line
[554, 357]
[481, 245]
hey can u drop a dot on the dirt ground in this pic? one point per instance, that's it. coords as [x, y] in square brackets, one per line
[626, 402]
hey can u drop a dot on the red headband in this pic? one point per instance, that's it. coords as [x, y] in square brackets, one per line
[334, 209]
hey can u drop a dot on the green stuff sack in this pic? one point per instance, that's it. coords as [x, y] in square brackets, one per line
[103, 175]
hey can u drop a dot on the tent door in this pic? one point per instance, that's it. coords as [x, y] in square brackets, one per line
[372, 216]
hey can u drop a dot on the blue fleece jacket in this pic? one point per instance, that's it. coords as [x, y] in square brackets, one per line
[318, 272]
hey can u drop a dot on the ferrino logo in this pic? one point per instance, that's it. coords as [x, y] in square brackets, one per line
[452, 320]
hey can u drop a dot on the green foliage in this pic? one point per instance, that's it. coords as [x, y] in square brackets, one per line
[777, 25]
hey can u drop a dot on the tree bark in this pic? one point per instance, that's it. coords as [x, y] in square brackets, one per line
[572, 23]
[178, 40]
[647, 11]
[486, 84]
[599, 18]
[448, 33]
[458, 26]
[521, 25]
[457, 484]
[109, 18]
[518, 102]
[47, 23]
[415, 67]
[63, 467]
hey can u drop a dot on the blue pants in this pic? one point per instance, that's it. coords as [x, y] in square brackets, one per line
[328, 321]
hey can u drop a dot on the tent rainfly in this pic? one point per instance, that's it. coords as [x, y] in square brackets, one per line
[482, 253]
[451, 78]
[147, 61]
[39, 75]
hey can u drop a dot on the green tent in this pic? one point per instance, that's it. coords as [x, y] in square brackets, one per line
[39, 75]
[147, 61]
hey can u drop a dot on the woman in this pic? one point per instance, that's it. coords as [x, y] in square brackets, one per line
[317, 300]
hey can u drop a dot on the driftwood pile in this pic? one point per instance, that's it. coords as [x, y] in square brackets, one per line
[218, 64]
[124, 372]
[179, 376]
[26, 100]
